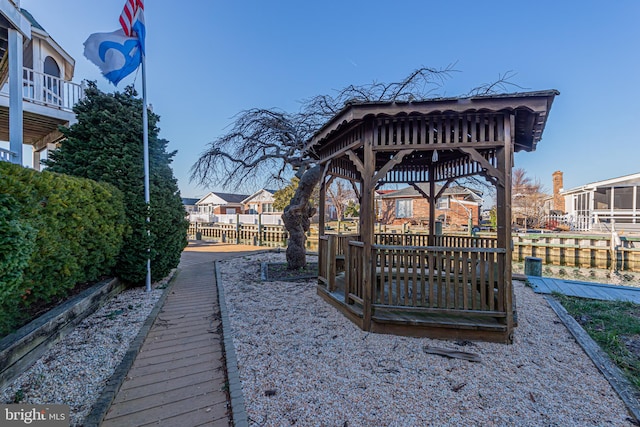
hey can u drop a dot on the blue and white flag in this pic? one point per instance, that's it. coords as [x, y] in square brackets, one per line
[119, 53]
[114, 53]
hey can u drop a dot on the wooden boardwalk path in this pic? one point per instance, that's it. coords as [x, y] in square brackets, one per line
[547, 285]
[178, 377]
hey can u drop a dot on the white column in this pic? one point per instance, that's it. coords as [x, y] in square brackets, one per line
[15, 96]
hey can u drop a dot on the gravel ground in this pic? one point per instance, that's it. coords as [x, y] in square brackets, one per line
[75, 370]
[303, 363]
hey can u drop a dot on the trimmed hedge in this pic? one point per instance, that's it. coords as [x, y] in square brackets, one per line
[56, 231]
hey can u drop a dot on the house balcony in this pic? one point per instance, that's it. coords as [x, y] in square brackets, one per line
[47, 103]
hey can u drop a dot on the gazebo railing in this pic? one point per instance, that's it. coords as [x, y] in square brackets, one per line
[401, 239]
[439, 277]
[333, 249]
[466, 241]
[429, 279]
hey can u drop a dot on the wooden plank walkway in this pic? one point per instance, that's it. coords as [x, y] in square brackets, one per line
[547, 285]
[178, 377]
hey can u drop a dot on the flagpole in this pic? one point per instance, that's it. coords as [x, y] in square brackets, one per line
[145, 145]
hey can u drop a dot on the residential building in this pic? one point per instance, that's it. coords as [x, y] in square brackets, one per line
[36, 91]
[260, 202]
[603, 205]
[455, 207]
[190, 206]
[216, 203]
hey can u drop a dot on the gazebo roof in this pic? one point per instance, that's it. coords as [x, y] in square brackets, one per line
[530, 110]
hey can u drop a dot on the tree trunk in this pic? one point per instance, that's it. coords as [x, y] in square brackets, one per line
[297, 218]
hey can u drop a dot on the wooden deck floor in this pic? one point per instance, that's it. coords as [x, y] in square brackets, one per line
[178, 377]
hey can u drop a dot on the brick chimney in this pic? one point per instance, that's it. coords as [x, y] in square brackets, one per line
[558, 199]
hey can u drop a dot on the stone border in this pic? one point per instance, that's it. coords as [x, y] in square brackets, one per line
[111, 388]
[238, 411]
[21, 349]
[611, 372]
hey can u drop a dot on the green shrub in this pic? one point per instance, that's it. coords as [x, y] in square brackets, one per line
[61, 231]
[17, 242]
[106, 145]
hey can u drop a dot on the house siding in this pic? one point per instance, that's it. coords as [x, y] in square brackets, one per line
[456, 215]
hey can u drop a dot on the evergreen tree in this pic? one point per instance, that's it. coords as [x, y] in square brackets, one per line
[106, 145]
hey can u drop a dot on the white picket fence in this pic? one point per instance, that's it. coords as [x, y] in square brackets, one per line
[265, 219]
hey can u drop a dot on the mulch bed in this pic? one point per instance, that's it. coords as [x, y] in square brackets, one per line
[279, 272]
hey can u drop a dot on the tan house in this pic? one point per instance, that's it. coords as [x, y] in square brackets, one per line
[260, 202]
[455, 207]
[36, 92]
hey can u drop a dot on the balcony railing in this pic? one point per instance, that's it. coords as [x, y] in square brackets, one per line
[5, 155]
[49, 90]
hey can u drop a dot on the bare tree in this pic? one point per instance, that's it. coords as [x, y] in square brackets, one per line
[528, 196]
[340, 195]
[267, 145]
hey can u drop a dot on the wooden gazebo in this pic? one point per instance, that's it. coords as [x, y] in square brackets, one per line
[425, 285]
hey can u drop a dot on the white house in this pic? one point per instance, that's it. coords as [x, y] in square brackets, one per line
[599, 205]
[216, 203]
[36, 92]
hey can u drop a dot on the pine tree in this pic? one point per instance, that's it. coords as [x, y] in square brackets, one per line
[106, 145]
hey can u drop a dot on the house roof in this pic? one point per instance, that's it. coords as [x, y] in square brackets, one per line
[39, 30]
[189, 201]
[626, 180]
[258, 193]
[32, 20]
[225, 197]
[411, 192]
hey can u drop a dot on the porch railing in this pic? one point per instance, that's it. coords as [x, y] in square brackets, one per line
[5, 155]
[49, 90]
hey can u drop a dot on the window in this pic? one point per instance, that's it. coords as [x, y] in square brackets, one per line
[50, 67]
[267, 207]
[51, 88]
[623, 198]
[404, 208]
[443, 203]
[602, 198]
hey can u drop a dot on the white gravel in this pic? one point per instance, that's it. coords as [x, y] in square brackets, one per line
[75, 370]
[303, 363]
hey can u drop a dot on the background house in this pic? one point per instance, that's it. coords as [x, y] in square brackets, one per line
[36, 92]
[409, 205]
[190, 205]
[216, 203]
[260, 202]
[599, 205]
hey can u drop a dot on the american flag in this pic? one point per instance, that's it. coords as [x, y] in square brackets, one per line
[129, 15]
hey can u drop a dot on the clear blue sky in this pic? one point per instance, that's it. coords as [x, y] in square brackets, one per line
[209, 59]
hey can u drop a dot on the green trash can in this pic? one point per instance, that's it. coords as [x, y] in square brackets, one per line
[198, 235]
[533, 266]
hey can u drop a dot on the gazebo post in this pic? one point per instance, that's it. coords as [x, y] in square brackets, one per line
[503, 195]
[322, 205]
[367, 223]
[432, 206]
